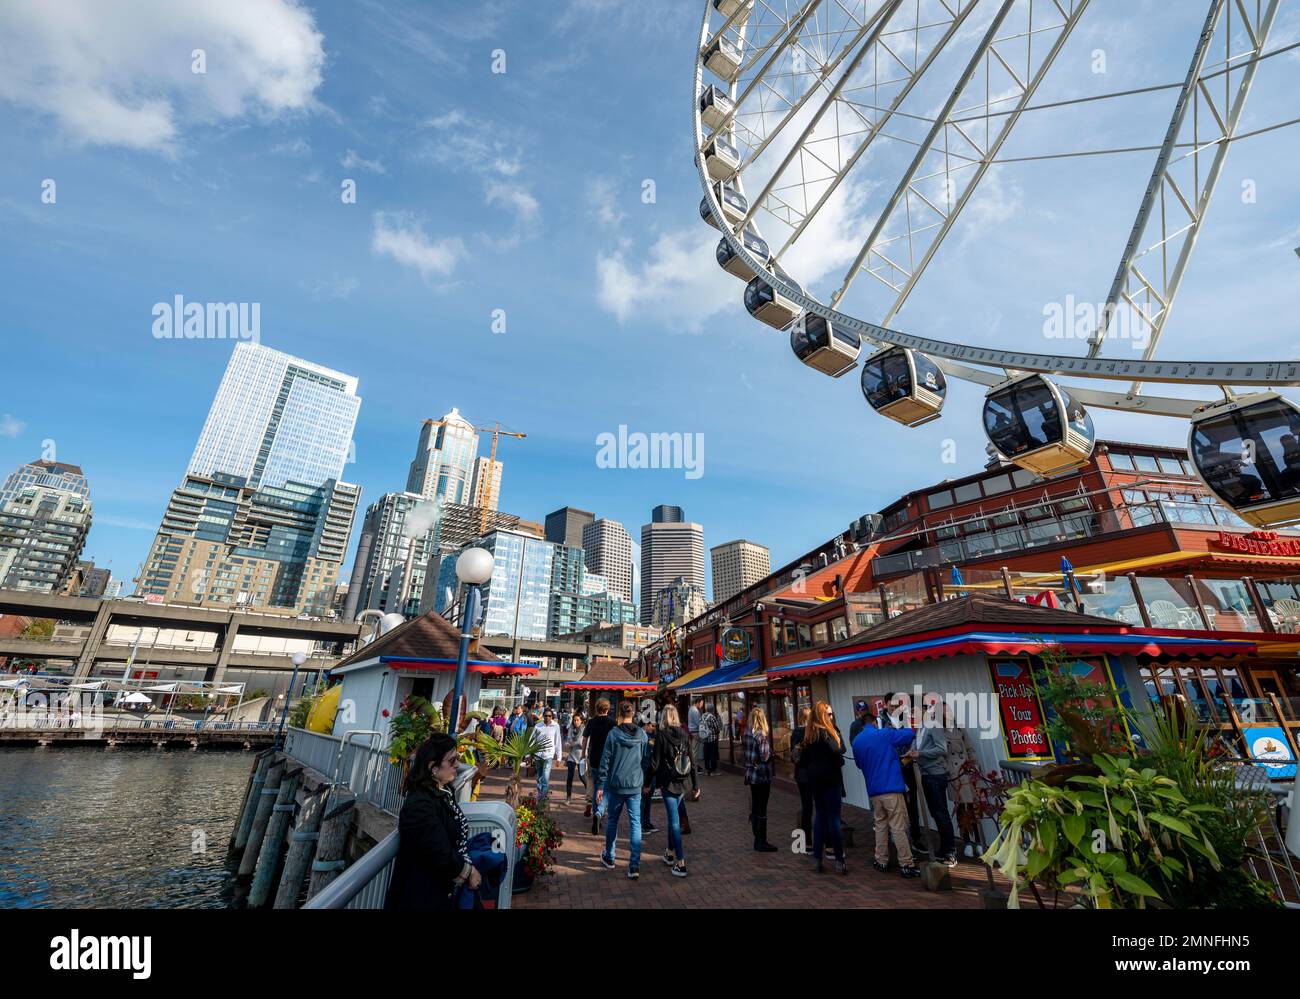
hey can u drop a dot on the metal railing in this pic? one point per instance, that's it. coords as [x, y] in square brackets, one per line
[118, 724]
[367, 771]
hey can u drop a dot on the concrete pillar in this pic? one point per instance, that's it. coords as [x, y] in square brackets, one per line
[227, 649]
[98, 629]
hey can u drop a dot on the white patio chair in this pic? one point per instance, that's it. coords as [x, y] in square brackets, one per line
[1287, 614]
[1164, 614]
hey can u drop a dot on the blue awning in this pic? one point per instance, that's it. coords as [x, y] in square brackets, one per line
[728, 677]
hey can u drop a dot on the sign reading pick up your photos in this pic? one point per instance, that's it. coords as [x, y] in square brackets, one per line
[1023, 732]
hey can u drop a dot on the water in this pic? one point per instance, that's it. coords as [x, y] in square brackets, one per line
[124, 828]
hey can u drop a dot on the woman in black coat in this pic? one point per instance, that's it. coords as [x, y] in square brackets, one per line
[821, 764]
[432, 858]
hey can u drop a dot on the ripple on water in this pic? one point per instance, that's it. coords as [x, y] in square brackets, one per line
[90, 828]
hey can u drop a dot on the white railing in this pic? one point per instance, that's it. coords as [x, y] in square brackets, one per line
[364, 770]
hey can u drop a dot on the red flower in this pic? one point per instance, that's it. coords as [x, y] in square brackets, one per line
[385, 712]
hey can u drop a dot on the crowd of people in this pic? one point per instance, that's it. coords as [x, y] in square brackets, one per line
[625, 757]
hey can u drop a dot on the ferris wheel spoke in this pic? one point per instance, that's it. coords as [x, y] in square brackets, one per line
[1175, 223]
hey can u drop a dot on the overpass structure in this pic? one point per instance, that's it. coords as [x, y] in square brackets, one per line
[335, 638]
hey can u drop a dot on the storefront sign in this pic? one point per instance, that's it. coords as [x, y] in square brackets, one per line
[735, 645]
[1268, 746]
[1258, 543]
[1022, 712]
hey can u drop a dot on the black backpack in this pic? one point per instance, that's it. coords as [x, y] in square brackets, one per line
[677, 760]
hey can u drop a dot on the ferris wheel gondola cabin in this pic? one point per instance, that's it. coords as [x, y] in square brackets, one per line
[767, 304]
[728, 7]
[904, 385]
[1035, 423]
[723, 59]
[721, 158]
[715, 106]
[1247, 452]
[823, 346]
[733, 263]
[734, 205]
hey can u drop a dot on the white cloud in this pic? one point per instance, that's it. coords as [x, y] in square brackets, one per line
[10, 426]
[120, 74]
[294, 147]
[602, 199]
[352, 161]
[401, 237]
[678, 283]
[515, 197]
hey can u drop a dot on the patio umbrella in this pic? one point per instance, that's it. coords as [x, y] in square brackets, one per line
[957, 580]
[1067, 579]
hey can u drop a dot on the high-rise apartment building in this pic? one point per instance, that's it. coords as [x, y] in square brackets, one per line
[667, 515]
[393, 551]
[669, 549]
[675, 604]
[276, 419]
[738, 565]
[47, 475]
[486, 489]
[565, 526]
[445, 458]
[608, 549]
[42, 534]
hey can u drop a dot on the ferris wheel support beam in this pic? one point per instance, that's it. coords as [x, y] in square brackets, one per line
[1152, 298]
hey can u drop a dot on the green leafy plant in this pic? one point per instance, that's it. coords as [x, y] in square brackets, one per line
[514, 752]
[537, 835]
[415, 721]
[1117, 834]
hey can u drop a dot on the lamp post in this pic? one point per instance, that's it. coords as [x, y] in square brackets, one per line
[298, 659]
[473, 568]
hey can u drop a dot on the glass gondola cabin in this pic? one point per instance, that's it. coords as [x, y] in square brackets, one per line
[823, 346]
[1247, 452]
[715, 106]
[733, 263]
[768, 305]
[728, 7]
[721, 159]
[1038, 425]
[734, 205]
[904, 385]
[722, 59]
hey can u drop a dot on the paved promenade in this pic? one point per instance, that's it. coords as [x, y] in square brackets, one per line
[725, 871]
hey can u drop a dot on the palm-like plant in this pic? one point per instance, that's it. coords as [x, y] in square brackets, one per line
[514, 752]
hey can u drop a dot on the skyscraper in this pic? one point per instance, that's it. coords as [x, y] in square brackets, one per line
[47, 474]
[669, 549]
[565, 525]
[738, 565]
[608, 548]
[443, 467]
[276, 419]
[42, 533]
[667, 515]
[486, 491]
[392, 555]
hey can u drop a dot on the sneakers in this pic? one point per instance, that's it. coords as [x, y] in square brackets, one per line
[586, 812]
[819, 867]
[649, 829]
[882, 868]
[950, 860]
[607, 860]
[679, 871]
[911, 872]
[841, 868]
[670, 858]
[633, 873]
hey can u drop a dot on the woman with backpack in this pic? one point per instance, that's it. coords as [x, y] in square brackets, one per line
[821, 759]
[758, 775]
[673, 766]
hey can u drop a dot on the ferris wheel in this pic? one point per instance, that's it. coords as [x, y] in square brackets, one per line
[795, 100]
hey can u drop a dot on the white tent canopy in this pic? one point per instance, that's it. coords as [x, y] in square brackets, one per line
[15, 683]
[136, 698]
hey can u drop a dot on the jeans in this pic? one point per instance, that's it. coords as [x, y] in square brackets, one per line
[647, 797]
[616, 803]
[543, 777]
[711, 756]
[568, 784]
[936, 799]
[672, 805]
[806, 814]
[826, 829]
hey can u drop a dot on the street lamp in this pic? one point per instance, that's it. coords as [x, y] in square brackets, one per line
[473, 568]
[298, 659]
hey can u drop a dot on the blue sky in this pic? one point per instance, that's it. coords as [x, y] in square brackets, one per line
[522, 191]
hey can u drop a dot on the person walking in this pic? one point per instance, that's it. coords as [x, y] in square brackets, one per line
[710, 732]
[801, 780]
[757, 745]
[671, 767]
[620, 776]
[573, 754]
[551, 752]
[961, 783]
[433, 849]
[822, 761]
[648, 787]
[875, 751]
[694, 714]
[593, 741]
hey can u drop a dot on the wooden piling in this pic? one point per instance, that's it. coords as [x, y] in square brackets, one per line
[335, 827]
[262, 814]
[268, 857]
[256, 778]
[302, 845]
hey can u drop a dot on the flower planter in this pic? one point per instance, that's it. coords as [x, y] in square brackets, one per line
[523, 881]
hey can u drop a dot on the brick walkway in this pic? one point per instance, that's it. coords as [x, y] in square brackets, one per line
[725, 871]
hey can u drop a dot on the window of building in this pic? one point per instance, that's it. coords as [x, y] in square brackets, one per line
[940, 499]
[997, 484]
[1170, 466]
[1121, 462]
[1145, 463]
[966, 493]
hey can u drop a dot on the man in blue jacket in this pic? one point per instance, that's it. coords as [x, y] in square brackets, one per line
[619, 779]
[875, 751]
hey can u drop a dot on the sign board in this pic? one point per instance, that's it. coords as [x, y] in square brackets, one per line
[1269, 747]
[1257, 543]
[1023, 733]
[735, 645]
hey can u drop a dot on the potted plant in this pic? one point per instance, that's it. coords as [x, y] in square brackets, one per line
[537, 837]
[415, 721]
[518, 748]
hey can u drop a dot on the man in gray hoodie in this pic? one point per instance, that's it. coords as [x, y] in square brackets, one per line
[620, 776]
[931, 751]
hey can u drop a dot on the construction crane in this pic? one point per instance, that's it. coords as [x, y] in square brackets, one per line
[497, 433]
